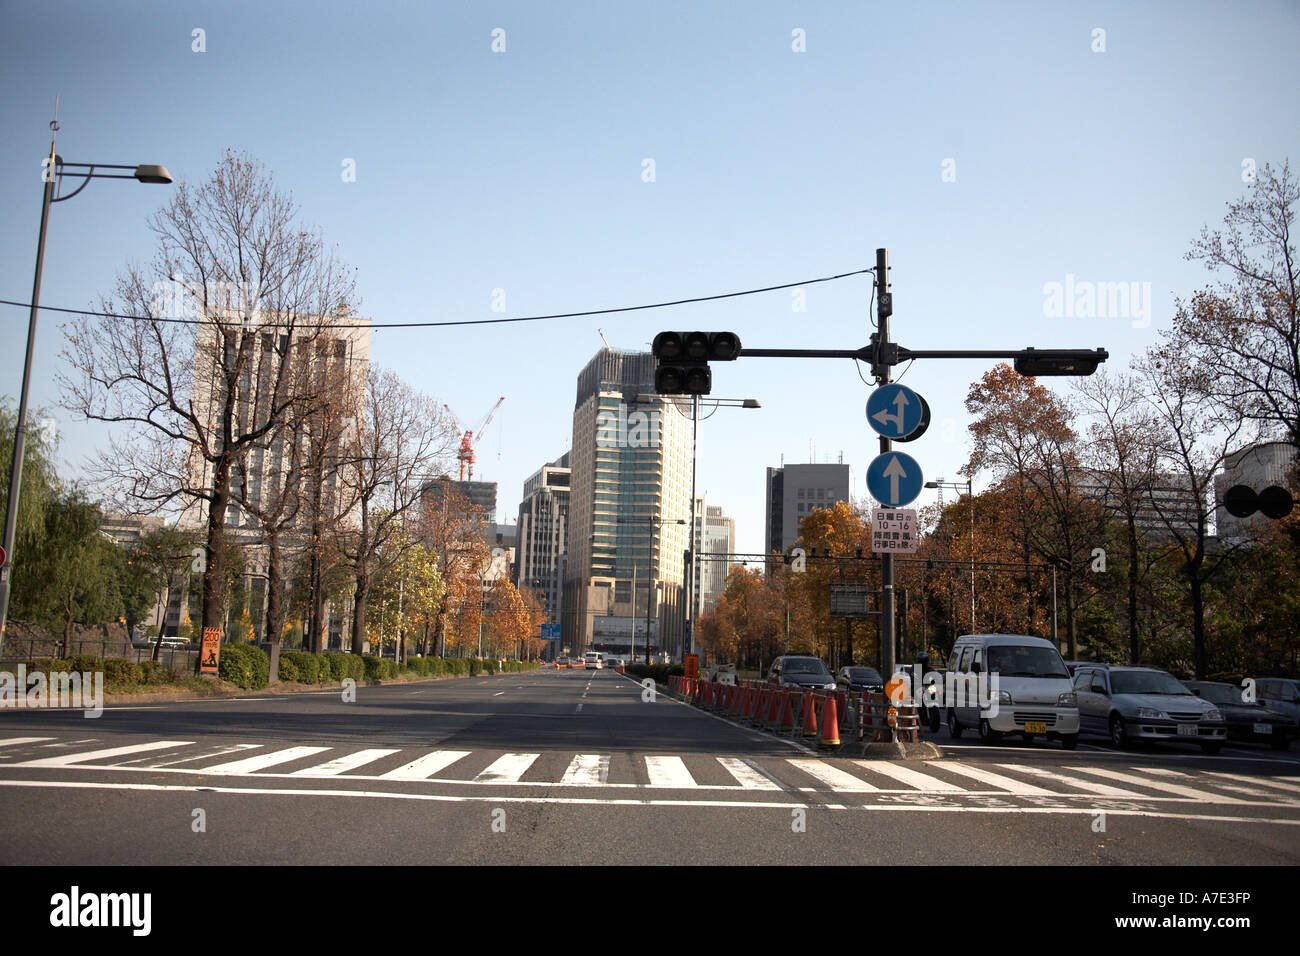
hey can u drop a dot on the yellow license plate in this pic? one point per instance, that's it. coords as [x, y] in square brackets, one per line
[1036, 727]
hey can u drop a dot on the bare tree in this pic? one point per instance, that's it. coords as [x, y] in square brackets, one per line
[398, 437]
[237, 296]
[1123, 454]
[1246, 333]
[1195, 437]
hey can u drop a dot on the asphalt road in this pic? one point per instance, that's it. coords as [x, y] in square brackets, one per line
[575, 767]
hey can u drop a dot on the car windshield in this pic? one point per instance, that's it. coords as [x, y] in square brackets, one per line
[1145, 682]
[868, 674]
[1217, 693]
[804, 665]
[1019, 661]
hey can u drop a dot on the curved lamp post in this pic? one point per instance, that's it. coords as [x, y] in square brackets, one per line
[55, 169]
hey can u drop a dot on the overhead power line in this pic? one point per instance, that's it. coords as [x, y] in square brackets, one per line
[428, 325]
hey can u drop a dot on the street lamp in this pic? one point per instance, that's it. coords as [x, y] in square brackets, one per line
[940, 483]
[688, 606]
[55, 170]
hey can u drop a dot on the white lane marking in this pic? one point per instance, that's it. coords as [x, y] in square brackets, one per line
[1089, 786]
[262, 761]
[1204, 796]
[1261, 781]
[833, 777]
[669, 772]
[913, 778]
[507, 769]
[68, 760]
[747, 775]
[498, 693]
[1008, 784]
[426, 766]
[19, 741]
[587, 769]
[343, 764]
[630, 802]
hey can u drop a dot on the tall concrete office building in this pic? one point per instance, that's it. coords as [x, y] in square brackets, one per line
[629, 512]
[793, 491]
[719, 542]
[540, 537]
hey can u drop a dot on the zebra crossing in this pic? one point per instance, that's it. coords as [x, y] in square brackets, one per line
[699, 773]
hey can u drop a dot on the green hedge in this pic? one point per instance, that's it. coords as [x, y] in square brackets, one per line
[245, 665]
[308, 666]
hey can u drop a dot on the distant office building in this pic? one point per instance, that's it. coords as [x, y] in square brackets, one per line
[473, 501]
[540, 538]
[1257, 467]
[629, 511]
[1165, 508]
[794, 491]
[719, 542]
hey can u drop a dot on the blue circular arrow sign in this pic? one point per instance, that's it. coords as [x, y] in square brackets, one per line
[894, 411]
[894, 479]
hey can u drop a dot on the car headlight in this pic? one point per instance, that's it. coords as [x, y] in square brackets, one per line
[1004, 697]
[1213, 714]
[1150, 712]
[1067, 700]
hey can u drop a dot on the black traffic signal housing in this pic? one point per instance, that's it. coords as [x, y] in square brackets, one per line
[1274, 502]
[684, 357]
[1038, 362]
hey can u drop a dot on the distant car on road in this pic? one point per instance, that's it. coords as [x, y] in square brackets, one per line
[1251, 722]
[593, 660]
[1145, 703]
[175, 641]
[802, 671]
[859, 679]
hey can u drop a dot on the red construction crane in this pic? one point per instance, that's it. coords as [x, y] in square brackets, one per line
[470, 436]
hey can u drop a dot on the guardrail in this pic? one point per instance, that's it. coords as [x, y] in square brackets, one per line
[821, 715]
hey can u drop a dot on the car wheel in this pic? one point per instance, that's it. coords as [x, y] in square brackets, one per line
[1118, 734]
[954, 726]
[1212, 748]
[987, 734]
[1070, 741]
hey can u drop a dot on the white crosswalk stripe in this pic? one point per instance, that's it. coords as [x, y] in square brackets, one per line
[1261, 781]
[1162, 785]
[833, 777]
[424, 767]
[1076, 783]
[913, 778]
[507, 769]
[996, 780]
[68, 760]
[19, 741]
[587, 769]
[669, 772]
[345, 763]
[263, 761]
[747, 776]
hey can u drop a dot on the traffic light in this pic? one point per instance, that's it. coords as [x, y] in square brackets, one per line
[1037, 362]
[684, 357]
[1274, 502]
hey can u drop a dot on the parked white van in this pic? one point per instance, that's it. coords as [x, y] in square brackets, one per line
[1032, 691]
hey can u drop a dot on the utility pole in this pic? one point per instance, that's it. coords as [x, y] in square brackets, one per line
[884, 309]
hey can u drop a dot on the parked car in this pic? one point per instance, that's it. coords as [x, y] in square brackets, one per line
[859, 679]
[175, 641]
[1279, 693]
[1145, 703]
[1035, 697]
[802, 671]
[1252, 722]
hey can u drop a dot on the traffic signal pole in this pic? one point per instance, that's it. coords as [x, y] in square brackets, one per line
[884, 309]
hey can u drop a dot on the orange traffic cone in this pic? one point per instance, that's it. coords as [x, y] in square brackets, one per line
[830, 726]
[810, 716]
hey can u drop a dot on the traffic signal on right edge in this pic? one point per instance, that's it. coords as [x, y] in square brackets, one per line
[683, 360]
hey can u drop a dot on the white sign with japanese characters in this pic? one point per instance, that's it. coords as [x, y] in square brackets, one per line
[893, 529]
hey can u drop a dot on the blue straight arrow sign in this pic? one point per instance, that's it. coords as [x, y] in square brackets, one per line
[894, 479]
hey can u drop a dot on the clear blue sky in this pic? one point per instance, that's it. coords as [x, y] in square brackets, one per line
[523, 171]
